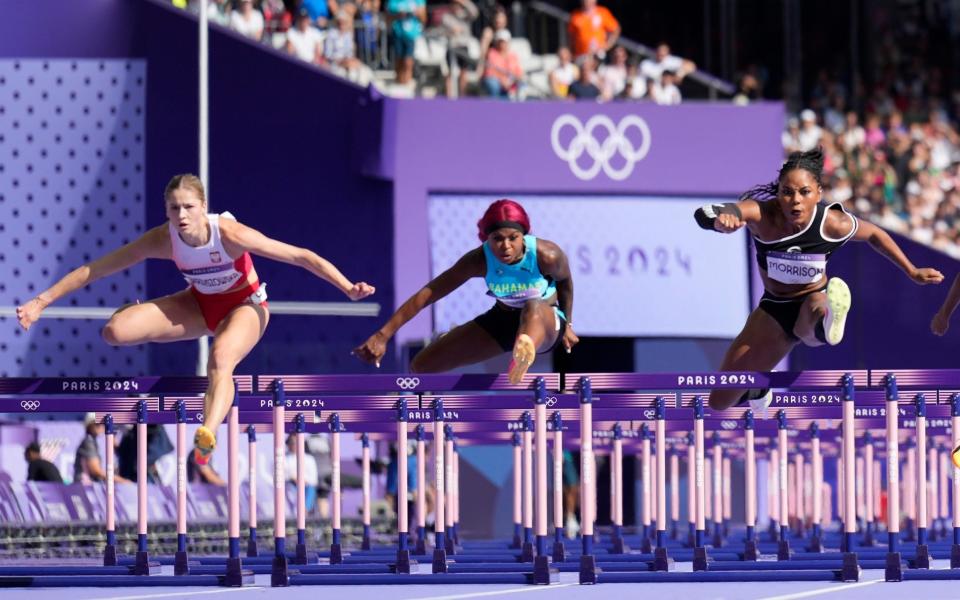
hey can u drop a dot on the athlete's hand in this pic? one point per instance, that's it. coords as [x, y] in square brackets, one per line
[727, 223]
[940, 323]
[372, 350]
[28, 313]
[360, 290]
[570, 339]
[926, 276]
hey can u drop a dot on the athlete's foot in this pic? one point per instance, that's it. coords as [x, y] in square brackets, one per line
[838, 305]
[203, 444]
[524, 353]
[955, 456]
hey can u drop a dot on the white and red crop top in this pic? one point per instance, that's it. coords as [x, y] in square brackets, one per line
[208, 268]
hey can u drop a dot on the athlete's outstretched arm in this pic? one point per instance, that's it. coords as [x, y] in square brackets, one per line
[152, 244]
[883, 244]
[941, 320]
[728, 217]
[553, 263]
[472, 264]
[246, 239]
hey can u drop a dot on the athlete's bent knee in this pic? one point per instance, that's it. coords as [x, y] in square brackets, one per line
[112, 334]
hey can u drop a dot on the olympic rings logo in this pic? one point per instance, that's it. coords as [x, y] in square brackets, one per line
[29, 404]
[601, 152]
[408, 383]
[728, 425]
[551, 401]
[649, 414]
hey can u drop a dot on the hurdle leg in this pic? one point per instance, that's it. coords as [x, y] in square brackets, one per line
[645, 473]
[440, 546]
[727, 496]
[517, 493]
[588, 495]
[750, 496]
[542, 575]
[868, 537]
[691, 492]
[110, 549]
[922, 560]
[674, 494]
[816, 460]
[234, 575]
[616, 478]
[403, 530]
[421, 547]
[456, 494]
[851, 569]
[526, 554]
[799, 480]
[893, 571]
[336, 547]
[279, 575]
[699, 551]
[660, 560]
[300, 556]
[910, 494]
[933, 468]
[773, 492]
[448, 465]
[559, 550]
[180, 557]
[944, 486]
[716, 476]
[142, 561]
[252, 550]
[365, 475]
[783, 543]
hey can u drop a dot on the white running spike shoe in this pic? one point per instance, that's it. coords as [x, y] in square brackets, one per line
[838, 305]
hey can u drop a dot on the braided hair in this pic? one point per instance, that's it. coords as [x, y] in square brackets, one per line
[810, 161]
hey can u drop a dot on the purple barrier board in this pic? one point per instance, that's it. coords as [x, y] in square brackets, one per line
[384, 383]
[113, 385]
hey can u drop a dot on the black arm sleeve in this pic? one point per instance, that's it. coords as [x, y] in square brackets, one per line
[707, 214]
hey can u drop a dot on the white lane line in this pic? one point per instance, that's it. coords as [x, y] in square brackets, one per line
[829, 590]
[174, 594]
[542, 588]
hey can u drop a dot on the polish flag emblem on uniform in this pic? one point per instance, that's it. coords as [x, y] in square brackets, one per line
[215, 256]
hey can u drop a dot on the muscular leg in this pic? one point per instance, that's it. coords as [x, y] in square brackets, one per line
[463, 345]
[538, 320]
[236, 335]
[812, 311]
[168, 319]
[759, 347]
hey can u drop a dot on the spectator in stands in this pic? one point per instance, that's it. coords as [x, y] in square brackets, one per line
[368, 34]
[457, 22]
[348, 6]
[339, 50]
[277, 17]
[247, 20]
[564, 75]
[636, 87]
[218, 11]
[810, 132]
[197, 473]
[40, 469]
[310, 473]
[502, 74]
[653, 68]
[585, 87]
[319, 11]
[407, 18]
[791, 137]
[87, 467]
[158, 444]
[305, 41]
[593, 30]
[613, 76]
[748, 90]
[665, 91]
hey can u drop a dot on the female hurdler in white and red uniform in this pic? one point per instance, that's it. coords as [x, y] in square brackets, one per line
[225, 296]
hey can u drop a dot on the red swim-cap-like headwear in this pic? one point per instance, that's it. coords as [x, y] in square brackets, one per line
[503, 213]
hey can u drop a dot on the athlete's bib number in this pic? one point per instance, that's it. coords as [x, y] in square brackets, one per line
[796, 268]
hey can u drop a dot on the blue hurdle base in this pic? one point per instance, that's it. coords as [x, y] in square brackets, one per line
[955, 557]
[435, 579]
[118, 580]
[750, 550]
[91, 570]
[588, 569]
[921, 559]
[718, 577]
[930, 574]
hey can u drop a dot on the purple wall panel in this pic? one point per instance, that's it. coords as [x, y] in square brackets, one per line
[71, 171]
[889, 324]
